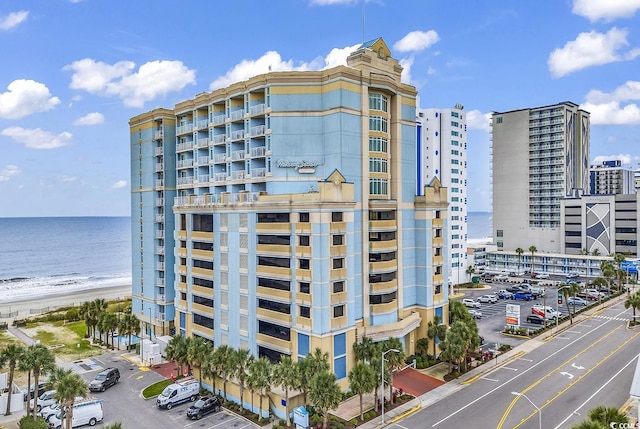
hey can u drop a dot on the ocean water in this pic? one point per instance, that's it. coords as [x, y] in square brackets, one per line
[479, 225]
[43, 255]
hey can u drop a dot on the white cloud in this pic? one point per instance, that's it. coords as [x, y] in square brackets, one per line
[476, 120]
[625, 158]
[610, 108]
[416, 41]
[431, 70]
[119, 184]
[13, 19]
[612, 113]
[153, 79]
[25, 97]
[272, 61]
[590, 49]
[406, 64]
[68, 179]
[8, 172]
[93, 118]
[607, 10]
[37, 138]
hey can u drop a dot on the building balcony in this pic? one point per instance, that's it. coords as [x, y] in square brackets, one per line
[159, 183]
[182, 181]
[181, 147]
[258, 152]
[159, 167]
[269, 293]
[257, 109]
[202, 123]
[219, 157]
[384, 308]
[257, 173]
[160, 298]
[159, 250]
[237, 155]
[202, 235]
[382, 225]
[202, 254]
[159, 218]
[278, 272]
[274, 249]
[237, 175]
[160, 282]
[183, 129]
[257, 130]
[220, 138]
[160, 266]
[158, 135]
[159, 234]
[203, 141]
[273, 227]
[380, 246]
[273, 316]
[220, 177]
[270, 342]
[202, 178]
[202, 272]
[383, 287]
[397, 329]
[202, 309]
[218, 119]
[383, 266]
[237, 135]
[159, 151]
[185, 163]
[236, 115]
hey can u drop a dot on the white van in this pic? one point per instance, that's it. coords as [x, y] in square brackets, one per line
[545, 311]
[85, 412]
[181, 391]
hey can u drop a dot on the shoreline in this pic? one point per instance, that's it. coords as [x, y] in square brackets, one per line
[24, 307]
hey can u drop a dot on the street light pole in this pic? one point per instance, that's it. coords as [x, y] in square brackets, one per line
[534, 405]
[382, 378]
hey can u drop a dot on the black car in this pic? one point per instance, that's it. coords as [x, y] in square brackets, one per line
[535, 318]
[104, 380]
[203, 406]
[41, 389]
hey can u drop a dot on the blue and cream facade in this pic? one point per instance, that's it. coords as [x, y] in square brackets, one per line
[442, 153]
[153, 188]
[539, 156]
[297, 223]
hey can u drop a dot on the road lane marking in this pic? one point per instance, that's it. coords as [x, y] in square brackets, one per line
[596, 392]
[521, 373]
[560, 393]
[563, 338]
[490, 379]
[509, 368]
[573, 332]
[574, 365]
[571, 359]
[587, 326]
[568, 374]
[525, 359]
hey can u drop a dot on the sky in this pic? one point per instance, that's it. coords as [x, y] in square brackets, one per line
[73, 72]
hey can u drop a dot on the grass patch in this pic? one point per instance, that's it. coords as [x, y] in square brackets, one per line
[155, 389]
[6, 339]
[78, 327]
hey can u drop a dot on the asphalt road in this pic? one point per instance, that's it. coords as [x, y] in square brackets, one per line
[590, 363]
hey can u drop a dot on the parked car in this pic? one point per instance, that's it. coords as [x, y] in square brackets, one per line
[471, 303]
[476, 314]
[535, 318]
[503, 294]
[28, 394]
[178, 392]
[49, 411]
[488, 298]
[573, 275]
[501, 278]
[545, 311]
[605, 290]
[595, 293]
[517, 288]
[203, 406]
[574, 300]
[542, 276]
[571, 281]
[44, 400]
[523, 295]
[512, 274]
[86, 412]
[105, 379]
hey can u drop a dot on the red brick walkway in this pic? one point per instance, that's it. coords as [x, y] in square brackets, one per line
[415, 382]
[166, 369]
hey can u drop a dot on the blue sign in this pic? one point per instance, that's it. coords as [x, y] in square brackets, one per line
[283, 402]
[301, 417]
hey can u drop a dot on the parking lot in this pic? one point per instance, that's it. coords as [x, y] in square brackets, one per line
[123, 402]
[493, 319]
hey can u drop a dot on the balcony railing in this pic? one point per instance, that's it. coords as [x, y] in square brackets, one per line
[184, 181]
[159, 183]
[220, 177]
[160, 282]
[220, 138]
[237, 175]
[237, 155]
[220, 157]
[203, 160]
[158, 135]
[187, 128]
[203, 123]
[184, 163]
[203, 178]
[258, 151]
[180, 147]
[236, 114]
[236, 135]
[160, 251]
[257, 109]
[159, 218]
[160, 202]
[258, 172]
[159, 151]
[159, 167]
[218, 119]
[258, 130]
[203, 141]
[160, 297]
[160, 266]
[159, 234]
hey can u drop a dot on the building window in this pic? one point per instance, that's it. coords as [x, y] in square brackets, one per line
[183, 296]
[338, 263]
[304, 287]
[303, 240]
[338, 311]
[499, 233]
[455, 152]
[378, 144]
[499, 120]
[455, 115]
[303, 264]
[336, 217]
[338, 287]
[304, 311]
[378, 186]
[455, 124]
[438, 288]
[303, 217]
[378, 123]
[338, 240]
[455, 133]
[378, 102]
[378, 165]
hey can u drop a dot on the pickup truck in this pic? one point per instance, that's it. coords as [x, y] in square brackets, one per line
[523, 295]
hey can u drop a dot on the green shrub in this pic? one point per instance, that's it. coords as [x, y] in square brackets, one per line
[72, 315]
[27, 422]
[354, 421]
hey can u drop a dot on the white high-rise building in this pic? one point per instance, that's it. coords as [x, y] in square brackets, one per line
[442, 153]
[540, 156]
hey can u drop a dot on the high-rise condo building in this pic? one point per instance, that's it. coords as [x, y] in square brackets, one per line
[539, 156]
[611, 177]
[442, 153]
[279, 214]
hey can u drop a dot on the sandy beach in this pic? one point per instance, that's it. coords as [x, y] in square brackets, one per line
[20, 309]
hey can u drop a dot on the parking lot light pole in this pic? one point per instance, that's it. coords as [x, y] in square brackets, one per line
[534, 405]
[382, 378]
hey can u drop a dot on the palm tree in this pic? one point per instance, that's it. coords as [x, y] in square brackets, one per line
[308, 367]
[11, 355]
[197, 351]
[436, 330]
[362, 379]
[224, 364]
[470, 270]
[26, 364]
[176, 351]
[98, 308]
[519, 252]
[285, 373]
[457, 311]
[129, 325]
[595, 252]
[43, 362]
[619, 258]
[110, 324]
[242, 358]
[608, 271]
[567, 290]
[633, 301]
[605, 415]
[394, 360]
[259, 379]
[85, 314]
[116, 425]
[533, 250]
[68, 385]
[365, 349]
[462, 335]
[325, 394]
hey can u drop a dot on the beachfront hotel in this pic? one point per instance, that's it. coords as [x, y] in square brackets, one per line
[540, 155]
[442, 153]
[279, 214]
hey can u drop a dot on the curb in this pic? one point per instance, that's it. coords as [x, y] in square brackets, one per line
[407, 413]
[481, 374]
